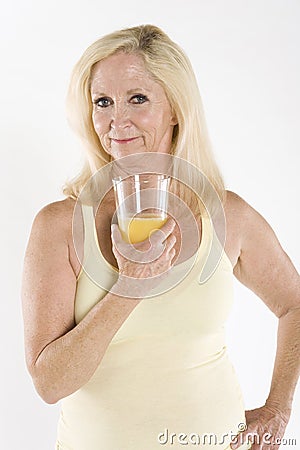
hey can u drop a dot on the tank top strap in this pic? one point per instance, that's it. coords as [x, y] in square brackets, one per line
[89, 228]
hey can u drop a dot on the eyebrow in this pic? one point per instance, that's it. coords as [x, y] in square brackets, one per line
[130, 91]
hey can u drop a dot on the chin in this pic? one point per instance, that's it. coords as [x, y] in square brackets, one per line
[121, 153]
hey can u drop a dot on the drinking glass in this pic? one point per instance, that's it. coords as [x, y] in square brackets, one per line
[141, 202]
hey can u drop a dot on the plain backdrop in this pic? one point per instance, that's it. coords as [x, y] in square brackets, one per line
[246, 57]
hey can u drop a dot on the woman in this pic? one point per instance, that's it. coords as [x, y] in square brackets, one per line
[147, 373]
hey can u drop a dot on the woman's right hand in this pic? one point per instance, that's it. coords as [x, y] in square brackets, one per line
[143, 265]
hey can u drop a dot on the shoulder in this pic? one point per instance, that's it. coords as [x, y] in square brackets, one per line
[60, 209]
[263, 266]
[245, 228]
[245, 223]
[240, 213]
[55, 218]
[243, 217]
[235, 203]
[236, 210]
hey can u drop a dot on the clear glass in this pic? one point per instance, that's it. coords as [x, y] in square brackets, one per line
[142, 202]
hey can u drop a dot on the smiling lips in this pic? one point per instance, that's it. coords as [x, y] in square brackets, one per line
[124, 141]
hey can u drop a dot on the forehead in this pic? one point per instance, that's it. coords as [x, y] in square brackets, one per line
[121, 69]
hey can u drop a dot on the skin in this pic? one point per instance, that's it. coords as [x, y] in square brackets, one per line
[51, 264]
[131, 111]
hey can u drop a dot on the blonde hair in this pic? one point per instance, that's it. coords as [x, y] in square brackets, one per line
[170, 67]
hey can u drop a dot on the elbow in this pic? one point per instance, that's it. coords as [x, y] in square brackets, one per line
[49, 400]
[48, 397]
[46, 391]
[45, 386]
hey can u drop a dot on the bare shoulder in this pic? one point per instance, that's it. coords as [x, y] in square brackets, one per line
[235, 205]
[263, 266]
[53, 225]
[243, 218]
[235, 212]
[58, 214]
[243, 224]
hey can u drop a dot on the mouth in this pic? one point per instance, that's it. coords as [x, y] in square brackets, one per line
[124, 141]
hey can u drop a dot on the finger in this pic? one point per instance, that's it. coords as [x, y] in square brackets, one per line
[172, 255]
[114, 248]
[170, 242]
[116, 252]
[239, 440]
[161, 234]
[249, 437]
[169, 226]
[161, 249]
[116, 236]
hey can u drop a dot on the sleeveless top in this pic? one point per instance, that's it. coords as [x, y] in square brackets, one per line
[165, 380]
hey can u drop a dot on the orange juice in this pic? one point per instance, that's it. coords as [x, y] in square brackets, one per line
[137, 229]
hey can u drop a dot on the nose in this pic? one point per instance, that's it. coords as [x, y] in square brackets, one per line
[120, 117]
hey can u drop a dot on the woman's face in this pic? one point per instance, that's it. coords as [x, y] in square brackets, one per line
[131, 113]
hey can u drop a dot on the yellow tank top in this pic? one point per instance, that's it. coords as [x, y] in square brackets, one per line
[165, 380]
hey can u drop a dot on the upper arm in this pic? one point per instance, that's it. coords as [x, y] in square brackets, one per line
[49, 283]
[263, 266]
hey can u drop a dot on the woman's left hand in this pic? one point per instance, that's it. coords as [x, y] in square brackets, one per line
[265, 428]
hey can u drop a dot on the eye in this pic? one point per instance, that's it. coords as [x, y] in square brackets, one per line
[139, 99]
[103, 102]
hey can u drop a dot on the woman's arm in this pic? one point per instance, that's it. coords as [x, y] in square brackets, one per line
[62, 356]
[265, 268]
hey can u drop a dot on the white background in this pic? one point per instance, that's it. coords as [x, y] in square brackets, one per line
[246, 57]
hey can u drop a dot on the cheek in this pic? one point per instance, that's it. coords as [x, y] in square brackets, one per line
[101, 130]
[159, 117]
[150, 121]
[157, 125]
[99, 123]
[95, 121]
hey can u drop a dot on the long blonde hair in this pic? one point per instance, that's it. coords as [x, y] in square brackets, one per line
[170, 67]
